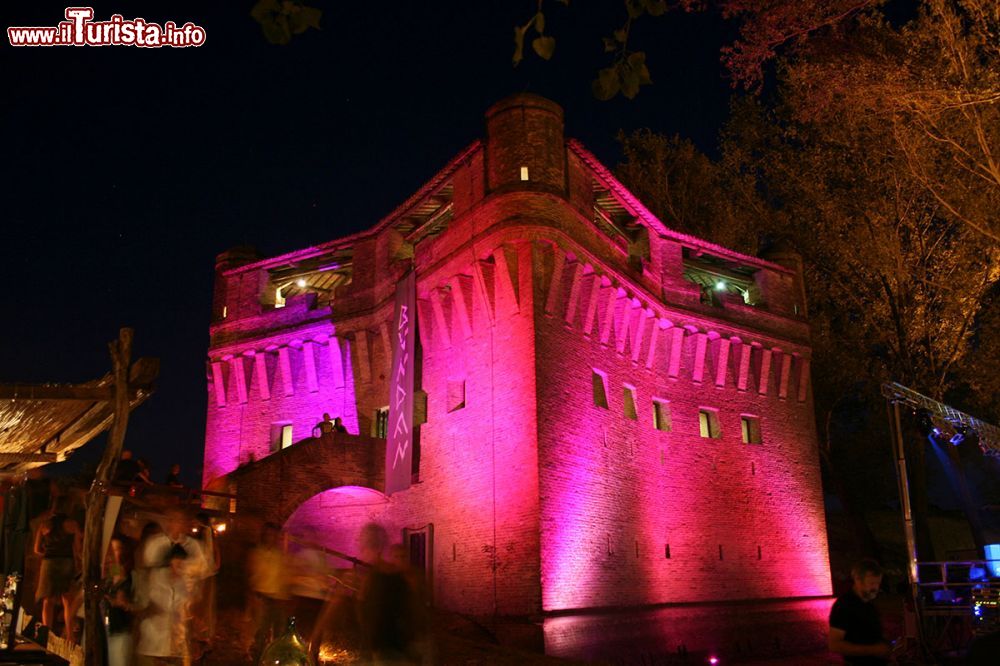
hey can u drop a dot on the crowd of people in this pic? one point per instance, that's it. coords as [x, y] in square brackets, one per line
[159, 601]
[376, 605]
[132, 470]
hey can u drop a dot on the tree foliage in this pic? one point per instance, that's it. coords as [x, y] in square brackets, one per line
[280, 19]
[626, 73]
[671, 176]
[935, 81]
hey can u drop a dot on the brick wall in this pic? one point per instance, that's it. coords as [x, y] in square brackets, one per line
[539, 499]
[617, 493]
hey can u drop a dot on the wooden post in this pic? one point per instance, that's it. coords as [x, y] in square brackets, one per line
[121, 352]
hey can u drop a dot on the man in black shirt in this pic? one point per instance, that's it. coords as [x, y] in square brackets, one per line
[855, 625]
[127, 468]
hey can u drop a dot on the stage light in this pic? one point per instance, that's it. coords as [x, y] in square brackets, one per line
[720, 285]
[960, 432]
[713, 660]
[926, 424]
[301, 282]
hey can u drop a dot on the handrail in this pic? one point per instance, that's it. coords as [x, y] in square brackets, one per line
[328, 551]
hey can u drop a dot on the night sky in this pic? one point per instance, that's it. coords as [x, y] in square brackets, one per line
[127, 170]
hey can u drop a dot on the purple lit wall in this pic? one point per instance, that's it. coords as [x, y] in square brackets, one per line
[276, 368]
[539, 501]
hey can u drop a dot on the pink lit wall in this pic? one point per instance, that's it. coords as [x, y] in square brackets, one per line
[539, 500]
[631, 515]
[302, 379]
[479, 469]
[334, 518]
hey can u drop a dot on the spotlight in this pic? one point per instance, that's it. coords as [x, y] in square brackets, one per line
[926, 424]
[960, 432]
[301, 282]
[924, 421]
[713, 660]
[720, 285]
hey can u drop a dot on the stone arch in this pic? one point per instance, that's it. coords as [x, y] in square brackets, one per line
[275, 487]
[334, 517]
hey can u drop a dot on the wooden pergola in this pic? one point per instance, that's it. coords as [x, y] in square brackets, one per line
[43, 423]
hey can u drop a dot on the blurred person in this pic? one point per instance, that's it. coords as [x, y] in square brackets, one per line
[855, 624]
[308, 584]
[203, 610]
[165, 619]
[117, 603]
[143, 475]
[159, 554]
[142, 567]
[269, 581]
[338, 425]
[174, 477]
[325, 426]
[386, 601]
[127, 468]
[177, 531]
[59, 542]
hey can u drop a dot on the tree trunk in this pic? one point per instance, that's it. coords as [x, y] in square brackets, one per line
[121, 352]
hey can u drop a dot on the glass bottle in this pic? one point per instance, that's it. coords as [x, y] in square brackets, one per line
[287, 650]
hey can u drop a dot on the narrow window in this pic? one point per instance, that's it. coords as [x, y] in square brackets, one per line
[600, 389]
[225, 311]
[666, 551]
[629, 398]
[380, 424]
[750, 427]
[456, 394]
[661, 415]
[708, 423]
[281, 435]
[524, 173]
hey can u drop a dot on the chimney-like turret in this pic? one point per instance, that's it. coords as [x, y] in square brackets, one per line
[231, 258]
[525, 146]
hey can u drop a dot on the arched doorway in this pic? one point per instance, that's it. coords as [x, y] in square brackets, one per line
[333, 518]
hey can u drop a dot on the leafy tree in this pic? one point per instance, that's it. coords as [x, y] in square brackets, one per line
[896, 281]
[935, 81]
[671, 177]
[935, 78]
[280, 19]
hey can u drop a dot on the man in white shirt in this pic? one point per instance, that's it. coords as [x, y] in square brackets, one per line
[177, 566]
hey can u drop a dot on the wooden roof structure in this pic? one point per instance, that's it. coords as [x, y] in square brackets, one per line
[43, 423]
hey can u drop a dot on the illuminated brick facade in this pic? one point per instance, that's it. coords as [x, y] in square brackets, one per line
[545, 291]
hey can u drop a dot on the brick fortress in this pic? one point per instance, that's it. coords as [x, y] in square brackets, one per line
[609, 414]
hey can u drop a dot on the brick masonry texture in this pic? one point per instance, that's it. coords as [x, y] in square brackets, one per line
[539, 500]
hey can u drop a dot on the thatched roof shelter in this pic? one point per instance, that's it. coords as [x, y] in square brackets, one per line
[44, 423]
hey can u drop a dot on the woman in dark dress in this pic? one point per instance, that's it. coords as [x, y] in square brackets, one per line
[59, 543]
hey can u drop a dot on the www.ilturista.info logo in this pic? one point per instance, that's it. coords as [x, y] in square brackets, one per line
[79, 29]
